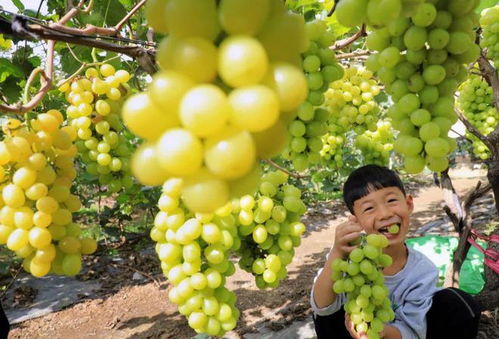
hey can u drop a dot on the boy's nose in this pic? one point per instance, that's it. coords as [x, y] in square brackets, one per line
[384, 212]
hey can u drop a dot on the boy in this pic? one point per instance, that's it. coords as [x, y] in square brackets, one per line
[376, 198]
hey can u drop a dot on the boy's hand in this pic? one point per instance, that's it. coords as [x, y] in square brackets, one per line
[345, 233]
[351, 329]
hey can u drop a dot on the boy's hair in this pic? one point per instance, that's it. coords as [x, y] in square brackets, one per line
[365, 179]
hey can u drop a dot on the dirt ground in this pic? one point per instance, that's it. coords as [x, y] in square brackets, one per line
[128, 309]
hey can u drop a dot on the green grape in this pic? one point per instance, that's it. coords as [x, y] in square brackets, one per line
[433, 46]
[360, 278]
[266, 249]
[37, 169]
[352, 107]
[488, 22]
[476, 101]
[104, 136]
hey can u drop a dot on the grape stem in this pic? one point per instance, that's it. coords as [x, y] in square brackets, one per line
[357, 54]
[350, 40]
[14, 277]
[331, 11]
[294, 175]
[473, 130]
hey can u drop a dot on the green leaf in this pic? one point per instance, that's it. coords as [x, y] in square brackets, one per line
[7, 69]
[105, 13]
[337, 28]
[69, 63]
[18, 4]
[35, 61]
[381, 98]
[11, 89]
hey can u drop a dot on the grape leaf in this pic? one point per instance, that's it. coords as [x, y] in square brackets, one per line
[105, 13]
[18, 4]
[337, 28]
[381, 98]
[69, 63]
[10, 89]
[35, 61]
[7, 68]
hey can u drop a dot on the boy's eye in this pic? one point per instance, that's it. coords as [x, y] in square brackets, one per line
[367, 209]
[392, 200]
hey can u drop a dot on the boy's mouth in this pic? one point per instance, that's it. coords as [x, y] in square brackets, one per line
[391, 229]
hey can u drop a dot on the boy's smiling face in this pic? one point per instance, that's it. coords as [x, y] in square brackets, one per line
[382, 208]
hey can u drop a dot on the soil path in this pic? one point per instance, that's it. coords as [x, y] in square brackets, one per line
[143, 311]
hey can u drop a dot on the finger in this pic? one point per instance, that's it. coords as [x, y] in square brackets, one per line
[350, 236]
[349, 228]
[352, 218]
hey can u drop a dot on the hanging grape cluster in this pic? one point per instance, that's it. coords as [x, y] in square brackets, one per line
[376, 146]
[195, 248]
[420, 61]
[355, 111]
[375, 13]
[310, 124]
[95, 102]
[36, 170]
[351, 102]
[217, 105]
[269, 226]
[489, 21]
[476, 101]
[361, 278]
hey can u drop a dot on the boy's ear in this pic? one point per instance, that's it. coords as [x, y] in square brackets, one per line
[410, 202]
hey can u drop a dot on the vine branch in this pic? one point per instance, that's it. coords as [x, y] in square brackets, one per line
[350, 40]
[91, 29]
[20, 28]
[280, 168]
[24, 30]
[458, 211]
[359, 54]
[24, 105]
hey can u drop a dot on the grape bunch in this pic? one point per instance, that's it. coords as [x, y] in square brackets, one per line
[215, 108]
[36, 171]
[489, 21]
[321, 68]
[351, 102]
[360, 277]
[95, 102]
[375, 13]
[352, 109]
[376, 146]
[420, 60]
[269, 226]
[334, 148]
[476, 101]
[194, 249]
